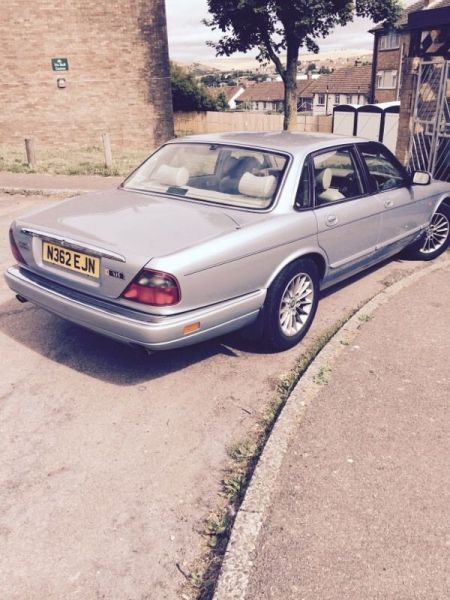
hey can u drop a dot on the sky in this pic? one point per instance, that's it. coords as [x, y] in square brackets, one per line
[188, 36]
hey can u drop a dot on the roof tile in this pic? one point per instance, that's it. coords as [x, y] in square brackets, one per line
[349, 80]
[271, 91]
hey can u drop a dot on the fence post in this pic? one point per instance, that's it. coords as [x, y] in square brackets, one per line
[107, 150]
[31, 154]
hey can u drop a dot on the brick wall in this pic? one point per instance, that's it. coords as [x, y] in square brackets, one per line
[118, 77]
[390, 60]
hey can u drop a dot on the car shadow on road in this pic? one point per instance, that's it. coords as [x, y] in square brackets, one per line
[100, 357]
[105, 359]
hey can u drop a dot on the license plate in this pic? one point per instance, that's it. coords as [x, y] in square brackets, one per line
[71, 260]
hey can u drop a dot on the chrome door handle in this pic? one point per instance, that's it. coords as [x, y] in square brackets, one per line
[331, 220]
[388, 203]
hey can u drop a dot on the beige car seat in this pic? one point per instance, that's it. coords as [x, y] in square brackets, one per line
[323, 182]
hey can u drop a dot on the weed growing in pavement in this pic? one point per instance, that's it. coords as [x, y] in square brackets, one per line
[201, 580]
[323, 376]
[233, 483]
[365, 318]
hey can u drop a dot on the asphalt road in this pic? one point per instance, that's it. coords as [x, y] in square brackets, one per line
[111, 459]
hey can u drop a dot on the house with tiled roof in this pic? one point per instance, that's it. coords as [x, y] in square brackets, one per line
[269, 96]
[411, 62]
[349, 85]
[393, 44]
[231, 93]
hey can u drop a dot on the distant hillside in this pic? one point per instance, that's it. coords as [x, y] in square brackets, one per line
[334, 58]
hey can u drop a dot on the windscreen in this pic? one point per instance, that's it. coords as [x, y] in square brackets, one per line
[235, 176]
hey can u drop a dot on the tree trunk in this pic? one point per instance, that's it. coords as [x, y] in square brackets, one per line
[290, 89]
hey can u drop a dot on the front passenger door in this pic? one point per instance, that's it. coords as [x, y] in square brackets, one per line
[403, 214]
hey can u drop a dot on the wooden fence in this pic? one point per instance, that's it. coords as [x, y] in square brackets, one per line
[187, 123]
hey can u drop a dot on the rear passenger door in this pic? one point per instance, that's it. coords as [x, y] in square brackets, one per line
[348, 217]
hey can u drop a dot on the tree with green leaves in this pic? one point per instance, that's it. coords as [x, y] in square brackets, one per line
[282, 27]
[187, 93]
[221, 102]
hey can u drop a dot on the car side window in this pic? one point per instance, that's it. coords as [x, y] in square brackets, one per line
[384, 173]
[336, 176]
[303, 198]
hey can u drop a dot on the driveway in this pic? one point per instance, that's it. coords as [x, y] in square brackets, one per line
[111, 459]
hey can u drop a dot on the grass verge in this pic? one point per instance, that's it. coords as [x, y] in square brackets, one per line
[71, 161]
[202, 578]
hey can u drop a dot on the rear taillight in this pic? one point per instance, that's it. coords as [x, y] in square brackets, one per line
[15, 249]
[153, 287]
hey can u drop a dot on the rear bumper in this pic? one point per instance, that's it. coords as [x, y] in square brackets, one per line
[132, 327]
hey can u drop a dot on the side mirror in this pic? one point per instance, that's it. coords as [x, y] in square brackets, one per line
[420, 178]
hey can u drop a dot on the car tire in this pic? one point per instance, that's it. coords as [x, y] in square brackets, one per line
[436, 237]
[291, 305]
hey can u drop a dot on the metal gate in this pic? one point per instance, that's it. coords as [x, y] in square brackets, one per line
[430, 140]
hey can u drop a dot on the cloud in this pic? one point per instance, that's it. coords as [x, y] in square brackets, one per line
[188, 36]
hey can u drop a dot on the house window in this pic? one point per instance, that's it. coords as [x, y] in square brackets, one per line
[387, 80]
[337, 99]
[390, 41]
[349, 99]
[321, 99]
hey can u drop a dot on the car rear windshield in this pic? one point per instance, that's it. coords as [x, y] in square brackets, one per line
[234, 176]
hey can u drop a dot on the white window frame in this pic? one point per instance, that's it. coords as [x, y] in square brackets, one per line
[319, 96]
[349, 98]
[387, 79]
[389, 41]
[337, 98]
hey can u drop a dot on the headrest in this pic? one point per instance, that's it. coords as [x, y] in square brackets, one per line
[259, 187]
[324, 178]
[167, 175]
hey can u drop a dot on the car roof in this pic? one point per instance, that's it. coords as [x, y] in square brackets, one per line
[294, 142]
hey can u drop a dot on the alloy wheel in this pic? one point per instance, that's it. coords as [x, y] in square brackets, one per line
[436, 233]
[296, 303]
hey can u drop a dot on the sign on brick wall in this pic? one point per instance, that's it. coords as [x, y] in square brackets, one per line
[60, 64]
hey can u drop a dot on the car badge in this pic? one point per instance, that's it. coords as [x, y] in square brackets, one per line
[116, 274]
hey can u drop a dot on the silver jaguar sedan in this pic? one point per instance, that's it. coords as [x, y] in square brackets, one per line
[216, 232]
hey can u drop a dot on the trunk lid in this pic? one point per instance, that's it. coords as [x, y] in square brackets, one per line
[114, 224]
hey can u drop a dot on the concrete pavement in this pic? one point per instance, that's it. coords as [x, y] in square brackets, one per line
[362, 501]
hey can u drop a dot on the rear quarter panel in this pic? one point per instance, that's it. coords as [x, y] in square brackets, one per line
[239, 262]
